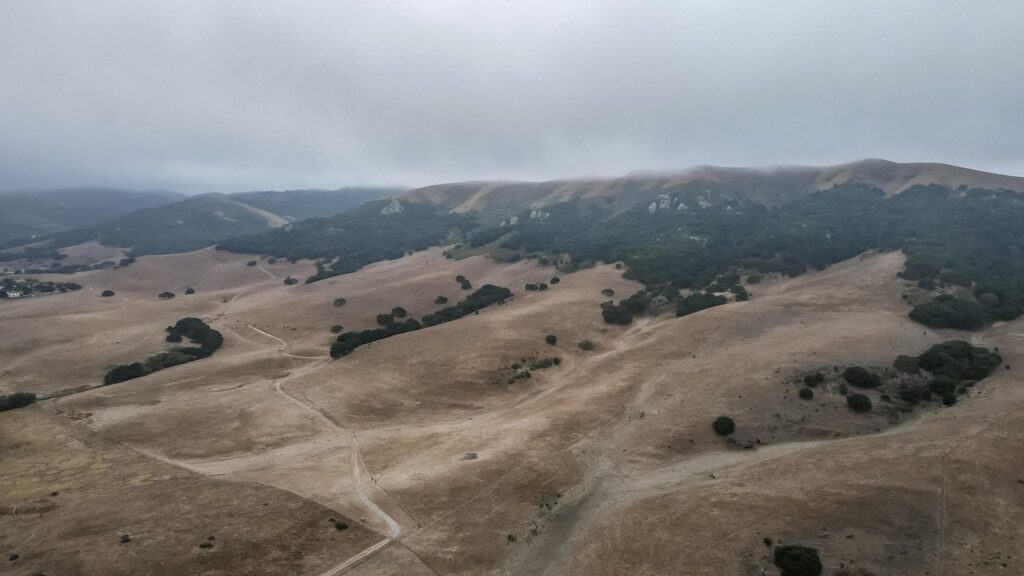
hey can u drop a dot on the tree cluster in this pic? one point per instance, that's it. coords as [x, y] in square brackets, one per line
[198, 332]
[485, 296]
[16, 400]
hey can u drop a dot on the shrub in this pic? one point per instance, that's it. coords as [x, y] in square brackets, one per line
[951, 312]
[858, 402]
[385, 319]
[165, 295]
[942, 385]
[806, 393]
[613, 314]
[271, 260]
[911, 394]
[608, 292]
[812, 380]
[551, 339]
[107, 293]
[587, 345]
[959, 360]
[723, 426]
[399, 312]
[861, 377]
[545, 363]
[125, 372]
[464, 282]
[555, 280]
[173, 337]
[906, 364]
[288, 281]
[753, 279]
[250, 263]
[339, 302]
[189, 291]
[16, 400]
[336, 329]
[440, 300]
[794, 560]
[699, 301]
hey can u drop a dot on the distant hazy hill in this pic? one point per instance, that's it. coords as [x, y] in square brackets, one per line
[27, 214]
[198, 221]
[771, 186]
[301, 204]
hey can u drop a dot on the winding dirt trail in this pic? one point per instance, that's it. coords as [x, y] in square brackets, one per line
[394, 529]
[284, 345]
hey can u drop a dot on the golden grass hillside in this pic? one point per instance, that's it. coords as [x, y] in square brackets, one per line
[442, 462]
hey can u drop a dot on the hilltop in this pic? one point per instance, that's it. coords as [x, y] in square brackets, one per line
[770, 186]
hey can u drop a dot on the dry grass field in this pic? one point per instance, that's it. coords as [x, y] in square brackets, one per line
[441, 463]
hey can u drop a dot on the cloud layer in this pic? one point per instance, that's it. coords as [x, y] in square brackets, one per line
[197, 96]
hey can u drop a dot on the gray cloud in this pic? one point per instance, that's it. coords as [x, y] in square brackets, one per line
[197, 95]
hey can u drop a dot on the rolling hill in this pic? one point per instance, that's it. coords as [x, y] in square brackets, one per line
[701, 230]
[540, 396]
[29, 214]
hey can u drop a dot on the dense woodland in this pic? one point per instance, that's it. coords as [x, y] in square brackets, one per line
[968, 238]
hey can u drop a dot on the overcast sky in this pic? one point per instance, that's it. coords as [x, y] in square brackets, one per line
[212, 95]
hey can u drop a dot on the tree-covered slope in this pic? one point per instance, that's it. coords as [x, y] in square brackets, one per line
[971, 239]
[343, 243]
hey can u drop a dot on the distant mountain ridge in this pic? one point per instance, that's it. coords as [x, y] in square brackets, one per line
[24, 214]
[770, 186]
[194, 222]
[294, 205]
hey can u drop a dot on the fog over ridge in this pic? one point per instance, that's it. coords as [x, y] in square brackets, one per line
[200, 96]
